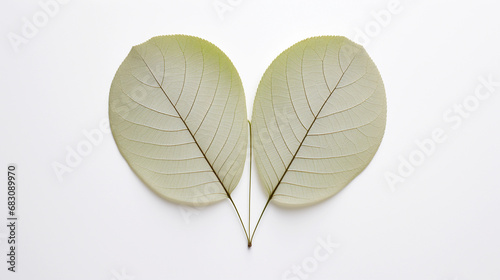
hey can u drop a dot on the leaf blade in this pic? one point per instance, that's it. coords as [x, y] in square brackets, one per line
[178, 116]
[318, 119]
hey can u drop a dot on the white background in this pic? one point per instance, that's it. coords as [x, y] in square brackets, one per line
[101, 222]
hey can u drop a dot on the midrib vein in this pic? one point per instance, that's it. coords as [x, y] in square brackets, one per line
[188, 129]
[307, 132]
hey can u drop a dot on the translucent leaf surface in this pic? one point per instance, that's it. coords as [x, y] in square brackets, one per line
[318, 119]
[178, 115]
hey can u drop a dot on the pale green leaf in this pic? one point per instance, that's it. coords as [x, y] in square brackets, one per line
[318, 119]
[178, 115]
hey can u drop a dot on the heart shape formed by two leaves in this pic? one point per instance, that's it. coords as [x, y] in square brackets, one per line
[178, 116]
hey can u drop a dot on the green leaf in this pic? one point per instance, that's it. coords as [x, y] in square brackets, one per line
[178, 115]
[318, 119]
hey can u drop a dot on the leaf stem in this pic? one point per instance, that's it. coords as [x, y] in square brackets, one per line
[261, 214]
[241, 221]
[250, 184]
